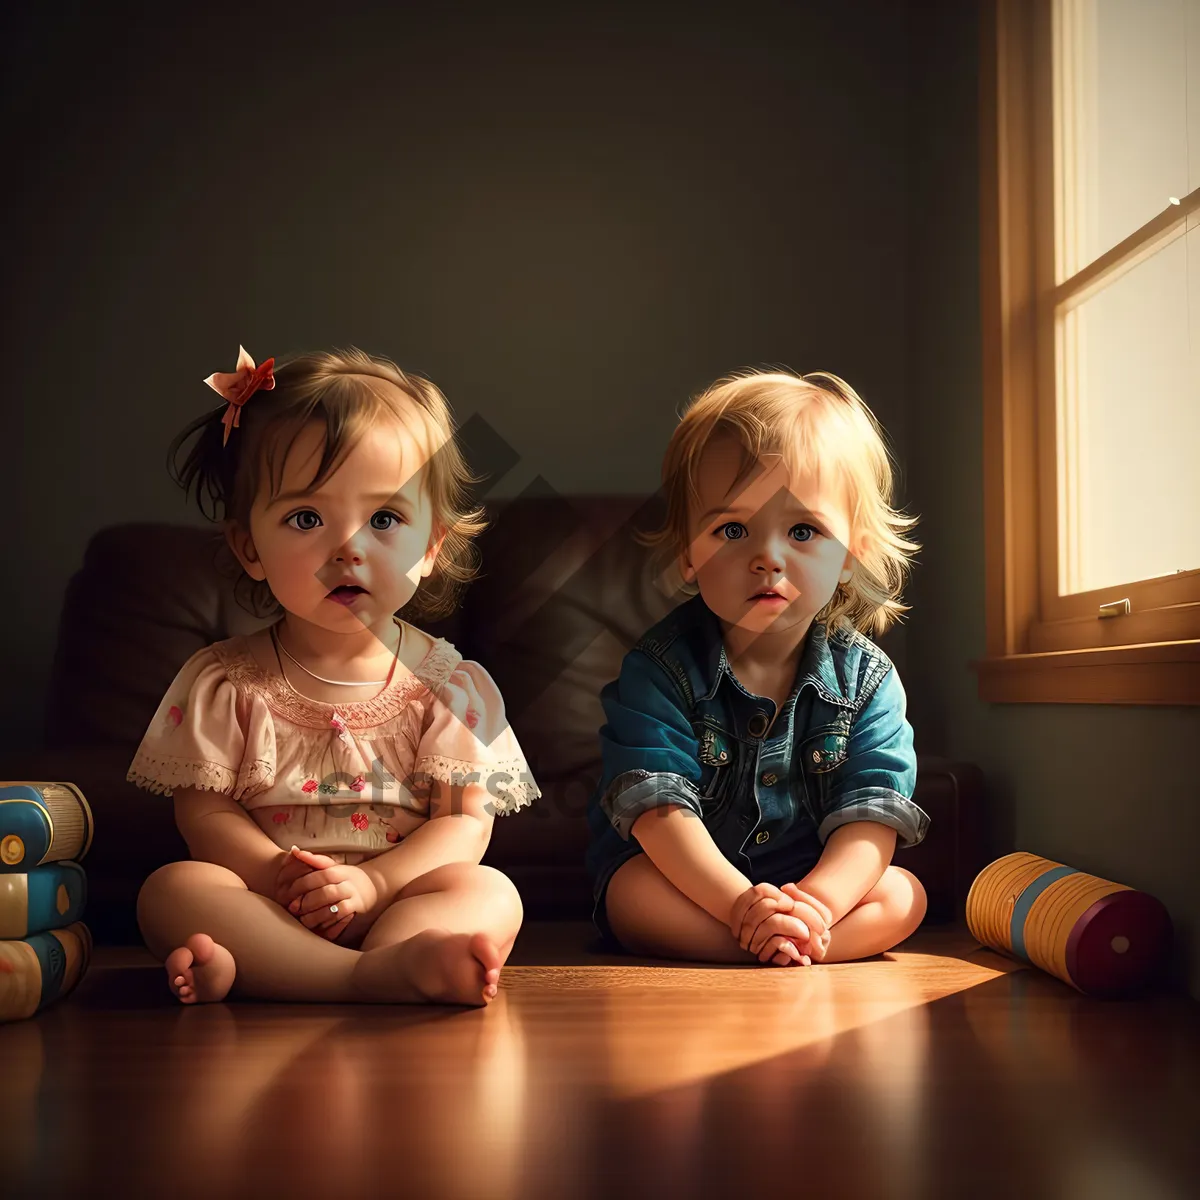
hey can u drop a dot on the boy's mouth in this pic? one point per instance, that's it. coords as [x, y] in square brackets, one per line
[769, 596]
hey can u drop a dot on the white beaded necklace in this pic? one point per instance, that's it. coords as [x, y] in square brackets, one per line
[339, 682]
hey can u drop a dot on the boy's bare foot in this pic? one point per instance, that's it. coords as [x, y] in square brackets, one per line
[200, 971]
[432, 967]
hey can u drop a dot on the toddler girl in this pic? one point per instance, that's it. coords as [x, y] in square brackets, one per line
[335, 775]
[759, 706]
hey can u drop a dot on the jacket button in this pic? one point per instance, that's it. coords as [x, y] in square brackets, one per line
[816, 756]
[757, 725]
[761, 836]
[768, 778]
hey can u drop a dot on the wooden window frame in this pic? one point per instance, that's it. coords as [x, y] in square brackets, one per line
[1043, 647]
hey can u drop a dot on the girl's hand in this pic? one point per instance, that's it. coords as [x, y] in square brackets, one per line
[327, 883]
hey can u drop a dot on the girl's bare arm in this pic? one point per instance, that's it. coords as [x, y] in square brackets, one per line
[218, 830]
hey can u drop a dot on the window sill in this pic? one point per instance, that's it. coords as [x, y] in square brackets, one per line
[1150, 673]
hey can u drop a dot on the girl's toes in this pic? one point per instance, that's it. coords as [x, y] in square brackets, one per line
[179, 973]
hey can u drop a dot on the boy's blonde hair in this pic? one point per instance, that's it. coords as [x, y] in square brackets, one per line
[347, 391]
[818, 423]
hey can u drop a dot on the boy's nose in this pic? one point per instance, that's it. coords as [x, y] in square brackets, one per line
[768, 561]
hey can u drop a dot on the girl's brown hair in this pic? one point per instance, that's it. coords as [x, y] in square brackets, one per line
[347, 391]
[816, 422]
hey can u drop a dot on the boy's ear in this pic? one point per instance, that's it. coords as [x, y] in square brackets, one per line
[242, 545]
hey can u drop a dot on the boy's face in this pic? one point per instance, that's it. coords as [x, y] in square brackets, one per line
[767, 552]
[370, 523]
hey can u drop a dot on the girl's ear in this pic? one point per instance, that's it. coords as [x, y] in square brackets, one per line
[686, 569]
[435, 548]
[242, 545]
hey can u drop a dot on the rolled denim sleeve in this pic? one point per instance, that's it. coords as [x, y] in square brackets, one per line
[877, 779]
[648, 748]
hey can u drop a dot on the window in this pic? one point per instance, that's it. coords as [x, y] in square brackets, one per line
[1090, 243]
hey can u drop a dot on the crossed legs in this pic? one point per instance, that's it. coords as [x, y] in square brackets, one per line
[651, 917]
[443, 940]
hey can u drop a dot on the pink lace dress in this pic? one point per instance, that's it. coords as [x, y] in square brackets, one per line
[349, 780]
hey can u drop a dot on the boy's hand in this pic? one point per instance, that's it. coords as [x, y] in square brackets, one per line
[755, 921]
[817, 913]
[754, 905]
[326, 883]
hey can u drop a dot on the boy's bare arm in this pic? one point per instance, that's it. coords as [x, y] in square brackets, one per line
[852, 863]
[218, 830]
[678, 844]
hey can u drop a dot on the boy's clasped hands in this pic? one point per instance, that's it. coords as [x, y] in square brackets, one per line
[783, 926]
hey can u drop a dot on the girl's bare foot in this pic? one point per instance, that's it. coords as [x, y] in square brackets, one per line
[432, 967]
[200, 971]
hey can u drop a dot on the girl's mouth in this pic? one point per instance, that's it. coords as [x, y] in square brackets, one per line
[346, 594]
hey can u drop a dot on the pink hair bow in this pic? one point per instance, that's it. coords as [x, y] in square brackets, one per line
[239, 385]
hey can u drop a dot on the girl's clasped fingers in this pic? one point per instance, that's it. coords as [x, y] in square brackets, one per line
[314, 908]
[314, 881]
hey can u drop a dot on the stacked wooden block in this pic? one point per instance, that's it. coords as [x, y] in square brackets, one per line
[45, 948]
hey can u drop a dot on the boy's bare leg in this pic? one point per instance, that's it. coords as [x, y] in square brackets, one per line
[883, 918]
[651, 917]
[202, 921]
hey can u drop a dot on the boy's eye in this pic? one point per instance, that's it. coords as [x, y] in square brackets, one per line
[804, 533]
[732, 531]
[384, 520]
[300, 520]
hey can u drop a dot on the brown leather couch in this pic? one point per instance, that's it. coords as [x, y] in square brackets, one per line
[566, 590]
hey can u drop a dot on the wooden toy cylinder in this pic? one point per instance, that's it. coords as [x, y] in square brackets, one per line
[1101, 937]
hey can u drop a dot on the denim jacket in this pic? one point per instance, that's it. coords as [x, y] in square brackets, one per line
[770, 789]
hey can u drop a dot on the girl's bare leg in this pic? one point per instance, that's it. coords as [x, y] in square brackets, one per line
[465, 914]
[211, 931]
[883, 918]
[651, 917]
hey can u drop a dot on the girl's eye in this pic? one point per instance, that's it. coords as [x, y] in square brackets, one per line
[732, 531]
[804, 533]
[385, 520]
[300, 520]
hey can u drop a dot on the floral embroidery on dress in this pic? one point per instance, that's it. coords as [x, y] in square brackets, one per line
[472, 718]
[358, 784]
[340, 725]
[309, 786]
[360, 821]
[281, 818]
[175, 714]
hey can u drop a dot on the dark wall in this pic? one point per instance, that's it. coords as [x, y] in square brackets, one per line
[570, 222]
[1109, 789]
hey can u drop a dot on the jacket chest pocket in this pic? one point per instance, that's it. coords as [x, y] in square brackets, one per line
[718, 757]
[821, 753]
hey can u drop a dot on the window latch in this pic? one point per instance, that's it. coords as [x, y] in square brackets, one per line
[1115, 608]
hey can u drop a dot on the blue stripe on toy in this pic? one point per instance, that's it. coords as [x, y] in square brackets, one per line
[1025, 902]
[53, 962]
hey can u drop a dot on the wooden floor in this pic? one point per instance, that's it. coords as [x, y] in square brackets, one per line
[940, 1070]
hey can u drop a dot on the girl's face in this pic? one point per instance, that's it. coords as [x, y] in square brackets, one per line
[353, 552]
[767, 553]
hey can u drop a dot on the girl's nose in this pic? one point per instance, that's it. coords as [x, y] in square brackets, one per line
[351, 549]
